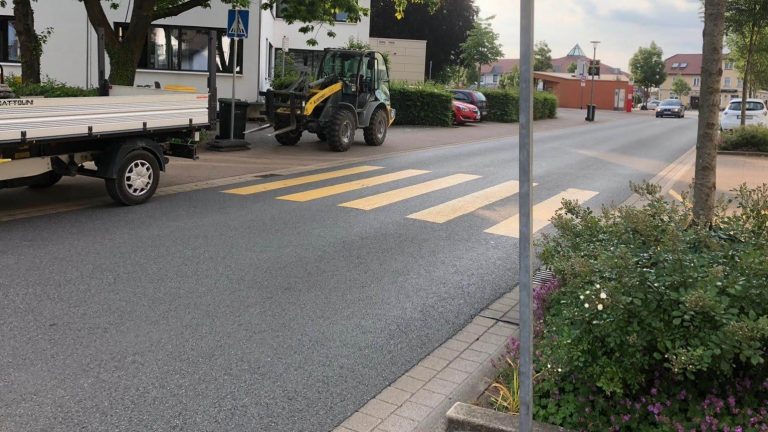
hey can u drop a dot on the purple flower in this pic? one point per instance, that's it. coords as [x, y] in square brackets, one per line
[626, 417]
[682, 395]
[654, 392]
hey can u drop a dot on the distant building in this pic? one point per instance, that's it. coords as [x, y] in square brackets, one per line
[611, 91]
[406, 57]
[490, 74]
[688, 67]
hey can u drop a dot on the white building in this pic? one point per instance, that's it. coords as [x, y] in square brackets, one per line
[176, 52]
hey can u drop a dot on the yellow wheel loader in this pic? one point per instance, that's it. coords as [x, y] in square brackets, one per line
[351, 92]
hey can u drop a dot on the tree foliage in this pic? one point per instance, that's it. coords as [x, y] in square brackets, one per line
[444, 28]
[542, 57]
[745, 21]
[510, 80]
[647, 67]
[481, 46]
[572, 67]
[30, 40]
[758, 70]
[680, 87]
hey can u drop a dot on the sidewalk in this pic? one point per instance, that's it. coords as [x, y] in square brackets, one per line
[266, 156]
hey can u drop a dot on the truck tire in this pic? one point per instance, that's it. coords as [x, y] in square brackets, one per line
[341, 131]
[288, 138]
[376, 132]
[322, 136]
[45, 180]
[137, 178]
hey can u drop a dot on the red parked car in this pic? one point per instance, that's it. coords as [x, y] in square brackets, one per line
[465, 113]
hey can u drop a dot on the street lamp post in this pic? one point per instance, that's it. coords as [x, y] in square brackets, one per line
[592, 92]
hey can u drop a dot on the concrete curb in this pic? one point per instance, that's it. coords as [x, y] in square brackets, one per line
[667, 177]
[469, 418]
[742, 153]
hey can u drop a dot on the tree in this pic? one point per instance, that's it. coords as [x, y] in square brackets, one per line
[444, 29]
[542, 57]
[572, 67]
[758, 69]
[30, 40]
[746, 19]
[647, 67]
[709, 112]
[510, 80]
[680, 87]
[124, 52]
[481, 46]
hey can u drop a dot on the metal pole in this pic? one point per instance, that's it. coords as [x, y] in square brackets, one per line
[234, 75]
[430, 70]
[212, 69]
[525, 211]
[592, 92]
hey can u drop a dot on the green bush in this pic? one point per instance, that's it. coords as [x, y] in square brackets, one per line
[49, 88]
[658, 323]
[283, 82]
[422, 104]
[503, 105]
[749, 138]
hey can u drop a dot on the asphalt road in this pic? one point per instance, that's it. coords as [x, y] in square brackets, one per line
[209, 311]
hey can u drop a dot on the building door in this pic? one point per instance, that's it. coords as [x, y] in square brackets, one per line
[695, 102]
[618, 99]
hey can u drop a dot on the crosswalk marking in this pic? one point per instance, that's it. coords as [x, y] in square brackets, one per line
[350, 186]
[467, 204]
[263, 187]
[382, 199]
[542, 213]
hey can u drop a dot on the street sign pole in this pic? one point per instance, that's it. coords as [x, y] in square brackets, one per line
[234, 76]
[525, 211]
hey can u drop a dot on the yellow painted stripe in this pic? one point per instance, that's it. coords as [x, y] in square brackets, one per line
[350, 186]
[542, 213]
[2, 161]
[263, 187]
[675, 195]
[467, 204]
[401, 194]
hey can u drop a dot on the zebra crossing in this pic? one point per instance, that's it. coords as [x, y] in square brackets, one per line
[439, 214]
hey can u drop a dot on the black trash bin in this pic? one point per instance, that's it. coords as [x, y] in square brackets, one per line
[591, 112]
[225, 118]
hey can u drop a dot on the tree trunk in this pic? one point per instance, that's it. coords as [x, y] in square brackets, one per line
[31, 47]
[704, 184]
[122, 64]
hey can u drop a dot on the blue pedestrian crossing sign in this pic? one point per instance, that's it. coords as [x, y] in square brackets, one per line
[237, 24]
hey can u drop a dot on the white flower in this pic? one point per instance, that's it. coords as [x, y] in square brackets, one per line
[586, 305]
[597, 286]
[603, 295]
[599, 306]
[581, 297]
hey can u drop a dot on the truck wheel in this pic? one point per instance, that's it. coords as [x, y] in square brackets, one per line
[288, 138]
[322, 136]
[341, 131]
[45, 180]
[376, 132]
[137, 179]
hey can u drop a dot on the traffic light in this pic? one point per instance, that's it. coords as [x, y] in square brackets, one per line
[594, 68]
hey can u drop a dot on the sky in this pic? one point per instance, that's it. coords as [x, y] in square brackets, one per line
[621, 26]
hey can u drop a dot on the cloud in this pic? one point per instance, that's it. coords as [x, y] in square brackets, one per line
[621, 25]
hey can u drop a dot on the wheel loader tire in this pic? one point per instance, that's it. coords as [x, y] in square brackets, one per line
[341, 131]
[322, 136]
[288, 138]
[376, 132]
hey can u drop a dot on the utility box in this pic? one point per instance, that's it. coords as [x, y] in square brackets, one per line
[225, 118]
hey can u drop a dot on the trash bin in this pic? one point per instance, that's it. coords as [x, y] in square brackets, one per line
[225, 118]
[591, 112]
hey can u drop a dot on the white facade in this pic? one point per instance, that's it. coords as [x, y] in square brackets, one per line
[407, 57]
[70, 54]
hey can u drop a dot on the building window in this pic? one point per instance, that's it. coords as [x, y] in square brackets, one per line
[727, 83]
[728, 65]
[341, 16]
[9, 43]
[181, 48]
[279, 8]
[696, 81]
[495, 78]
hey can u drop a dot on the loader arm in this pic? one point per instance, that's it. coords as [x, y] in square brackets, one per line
[321, 96]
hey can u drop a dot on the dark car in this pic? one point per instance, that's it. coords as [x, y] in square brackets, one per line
[670, 107]
[472, 97]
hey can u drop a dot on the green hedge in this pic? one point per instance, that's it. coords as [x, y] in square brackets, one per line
[749, 138]
[422, 104]
[48, 88]
[503, 105]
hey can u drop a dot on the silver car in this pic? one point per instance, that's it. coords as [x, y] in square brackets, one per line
[670, 107]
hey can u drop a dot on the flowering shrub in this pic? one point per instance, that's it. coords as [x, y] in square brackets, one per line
[658, 325]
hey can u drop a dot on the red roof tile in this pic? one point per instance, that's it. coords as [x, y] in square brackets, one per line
[692, 64]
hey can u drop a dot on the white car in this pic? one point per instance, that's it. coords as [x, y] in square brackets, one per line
[757, 114]
[652, 104]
